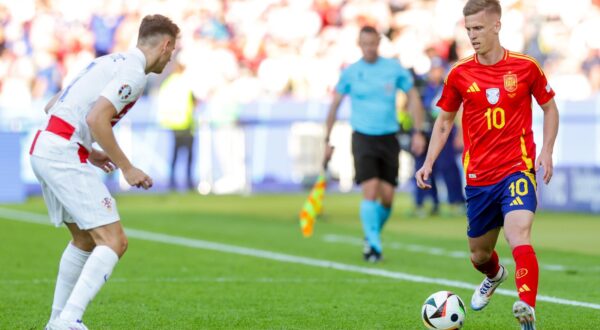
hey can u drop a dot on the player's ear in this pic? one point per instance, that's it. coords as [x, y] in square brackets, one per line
[497, 26]
[166, 43]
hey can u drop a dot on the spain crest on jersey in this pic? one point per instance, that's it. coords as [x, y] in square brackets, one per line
[510, 82]
[492, 95]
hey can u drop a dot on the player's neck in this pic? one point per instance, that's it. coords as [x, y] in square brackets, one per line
[371, 60]
[151, 57]
[492, 57]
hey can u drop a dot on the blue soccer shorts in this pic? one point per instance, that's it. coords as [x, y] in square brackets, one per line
[487, 205]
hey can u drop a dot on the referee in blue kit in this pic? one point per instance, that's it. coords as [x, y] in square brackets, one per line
[372, 83]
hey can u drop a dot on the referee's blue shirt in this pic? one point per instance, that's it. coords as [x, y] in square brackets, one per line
[372, 90]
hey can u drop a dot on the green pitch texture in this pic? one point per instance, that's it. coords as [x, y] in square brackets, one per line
[166, 286]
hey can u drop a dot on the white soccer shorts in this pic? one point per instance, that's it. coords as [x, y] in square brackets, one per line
[74, 193]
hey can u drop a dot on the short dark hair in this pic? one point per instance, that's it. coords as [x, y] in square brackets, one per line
[474, 6]
[368, 29]
[157, 24]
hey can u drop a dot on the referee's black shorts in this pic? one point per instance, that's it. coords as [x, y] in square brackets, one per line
[375, 156]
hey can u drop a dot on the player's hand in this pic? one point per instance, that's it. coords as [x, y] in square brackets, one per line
[545, 160]
[101, 160]
[328, 153]
[137, 178]
[418, 143]
[423, 176]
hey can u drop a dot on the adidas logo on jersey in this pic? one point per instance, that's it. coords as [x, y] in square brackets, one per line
[473, 88]
[516, 201]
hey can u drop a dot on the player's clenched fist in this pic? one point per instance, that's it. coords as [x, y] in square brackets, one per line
[137, 178]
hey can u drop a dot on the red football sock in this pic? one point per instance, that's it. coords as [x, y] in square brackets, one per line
[491, 267]
[526, 273]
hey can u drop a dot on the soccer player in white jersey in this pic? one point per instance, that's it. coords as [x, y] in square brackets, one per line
[62, 154]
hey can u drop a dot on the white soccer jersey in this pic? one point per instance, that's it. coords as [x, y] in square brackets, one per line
[119, 77]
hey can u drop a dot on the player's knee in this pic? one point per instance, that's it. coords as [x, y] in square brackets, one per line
[517, 236]
[117, 243]
[84, 243]
[124, 245]
[120, 245]
[480, 256]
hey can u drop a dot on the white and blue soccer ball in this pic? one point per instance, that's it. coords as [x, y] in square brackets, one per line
[443, 310]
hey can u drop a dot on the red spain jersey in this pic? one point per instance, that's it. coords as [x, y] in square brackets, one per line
[496, 114]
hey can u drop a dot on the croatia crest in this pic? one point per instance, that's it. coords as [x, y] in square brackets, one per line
[107, 203]
[492, 94]
[510, 82]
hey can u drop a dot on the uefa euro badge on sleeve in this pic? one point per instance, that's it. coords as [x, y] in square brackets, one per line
[124, 92]
[492, 94]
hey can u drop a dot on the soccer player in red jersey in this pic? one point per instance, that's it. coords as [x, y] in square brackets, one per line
[495, 87]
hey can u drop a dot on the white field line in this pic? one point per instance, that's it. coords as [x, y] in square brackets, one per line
[331, 238]
[219, 247]
[198, 279]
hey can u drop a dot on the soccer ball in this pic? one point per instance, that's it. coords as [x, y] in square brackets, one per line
[443, 310]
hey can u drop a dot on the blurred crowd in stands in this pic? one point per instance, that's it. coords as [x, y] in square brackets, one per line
[242, 50]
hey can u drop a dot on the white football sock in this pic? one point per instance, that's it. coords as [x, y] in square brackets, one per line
[95, 273]
[70, 266]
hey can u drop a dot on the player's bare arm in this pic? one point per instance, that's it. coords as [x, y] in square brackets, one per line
[550, 131]
[331, 117]
[458, 142]
[415, 107]
[99, 121]
[51, 103]
[439, 136]
[101, 160]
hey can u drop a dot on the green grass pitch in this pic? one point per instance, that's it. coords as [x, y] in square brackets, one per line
[235, 262]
